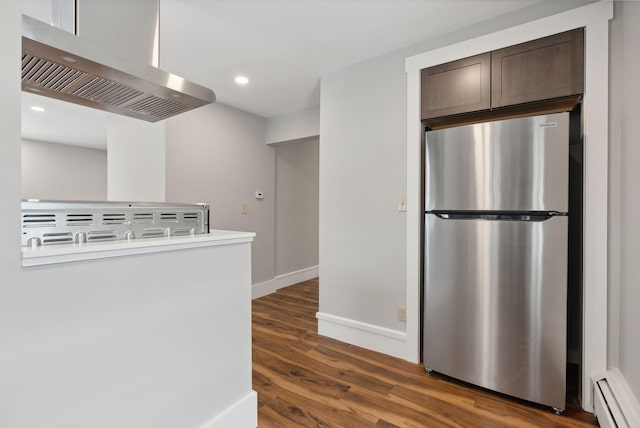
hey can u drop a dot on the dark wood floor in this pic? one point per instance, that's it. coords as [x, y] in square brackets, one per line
[306, 380]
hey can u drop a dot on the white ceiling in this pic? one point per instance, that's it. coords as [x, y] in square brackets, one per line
[283, 46]
[63, 122]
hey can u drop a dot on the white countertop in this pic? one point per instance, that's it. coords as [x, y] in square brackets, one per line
[64, 253]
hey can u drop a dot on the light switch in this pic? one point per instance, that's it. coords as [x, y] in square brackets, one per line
[244, 208]
[402, 204]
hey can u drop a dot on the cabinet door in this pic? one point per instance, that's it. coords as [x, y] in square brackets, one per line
[456, 87]
[546, 68]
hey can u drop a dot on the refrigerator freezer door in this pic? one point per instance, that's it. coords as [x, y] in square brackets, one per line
[515, 165]
[495, 305]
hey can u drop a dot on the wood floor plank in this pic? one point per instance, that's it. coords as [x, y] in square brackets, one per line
[385, 424]
[289, 308]
[309, 324]
[270, 325]
[306, 380]
[334, 408]
[396, 413]
[460, 409]
[328, 372]
[348, 361]
[278, 343]
[329, 411]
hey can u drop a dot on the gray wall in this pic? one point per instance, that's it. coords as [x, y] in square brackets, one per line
[624, 203]
[363, 174]
[217, 154]
[60, 171]
[296, 205]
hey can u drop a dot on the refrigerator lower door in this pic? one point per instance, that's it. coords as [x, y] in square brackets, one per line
[495, 305]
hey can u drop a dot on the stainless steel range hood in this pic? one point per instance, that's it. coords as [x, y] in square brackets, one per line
[61, 65]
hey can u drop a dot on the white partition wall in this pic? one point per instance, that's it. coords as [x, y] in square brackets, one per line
[135, 160]
[106, 343]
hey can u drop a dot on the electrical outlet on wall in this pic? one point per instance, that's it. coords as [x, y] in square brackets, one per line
[402, 313]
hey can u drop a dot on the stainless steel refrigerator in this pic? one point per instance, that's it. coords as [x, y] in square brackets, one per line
[495, 296]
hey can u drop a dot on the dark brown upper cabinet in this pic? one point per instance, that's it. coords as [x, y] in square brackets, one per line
[551, 67]
[457, 87]
[540, 71]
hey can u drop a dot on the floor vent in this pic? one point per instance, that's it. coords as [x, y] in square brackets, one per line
[614, 404]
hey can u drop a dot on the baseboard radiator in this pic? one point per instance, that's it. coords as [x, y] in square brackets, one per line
[614, 404]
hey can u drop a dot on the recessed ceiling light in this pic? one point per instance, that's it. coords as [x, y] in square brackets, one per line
[69, 59]
[37, 108]
[242, 80]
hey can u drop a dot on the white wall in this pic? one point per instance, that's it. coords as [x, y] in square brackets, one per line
[362, 176]
[135, 160]
[295, 126]
[10, 45]
[63, 172]
[217, 154]
[624, 205]
[297, 208]
[60, 13]
[129, 27]
[13, 285]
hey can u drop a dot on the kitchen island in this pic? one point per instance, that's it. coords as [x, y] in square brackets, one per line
[146, 333]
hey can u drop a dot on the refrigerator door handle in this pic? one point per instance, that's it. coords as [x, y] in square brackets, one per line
[493, 216]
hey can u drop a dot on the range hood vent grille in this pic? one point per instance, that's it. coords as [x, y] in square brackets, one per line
[61, 65]
[158, 107]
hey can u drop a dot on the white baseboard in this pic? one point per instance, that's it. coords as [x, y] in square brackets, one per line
[615, 403]
[263, 288]
[267, 287]
[369, 336]
[241, 414]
